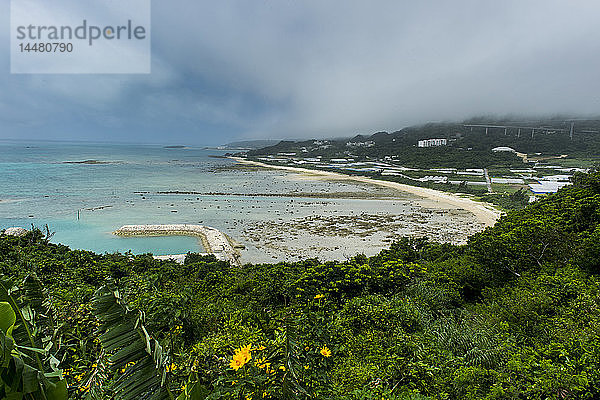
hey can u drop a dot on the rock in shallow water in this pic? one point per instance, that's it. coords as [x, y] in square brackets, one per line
[16, 231]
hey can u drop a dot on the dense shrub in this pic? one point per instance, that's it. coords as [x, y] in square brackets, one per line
[512, 314]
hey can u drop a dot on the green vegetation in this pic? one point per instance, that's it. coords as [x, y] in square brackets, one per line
[513, 314]
[28, 344]
[513, 201]
[466, 150]
[467, 147]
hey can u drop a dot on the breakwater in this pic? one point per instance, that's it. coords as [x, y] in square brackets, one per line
[214, 241]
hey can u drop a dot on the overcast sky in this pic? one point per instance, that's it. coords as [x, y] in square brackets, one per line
[229, 70]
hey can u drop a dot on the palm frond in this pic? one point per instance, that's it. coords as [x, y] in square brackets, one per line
[469, 337]
[138, 360]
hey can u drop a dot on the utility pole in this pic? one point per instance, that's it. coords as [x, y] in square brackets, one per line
[571, 132]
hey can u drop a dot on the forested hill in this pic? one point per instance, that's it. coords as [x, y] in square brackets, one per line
[513, 314]
[468, 144]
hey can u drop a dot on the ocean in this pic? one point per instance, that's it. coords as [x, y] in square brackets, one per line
[85, 191]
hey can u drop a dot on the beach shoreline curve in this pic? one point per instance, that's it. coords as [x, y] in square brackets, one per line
[484, 212]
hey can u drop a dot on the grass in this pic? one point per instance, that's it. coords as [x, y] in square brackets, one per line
[577, 162]
[507, 188]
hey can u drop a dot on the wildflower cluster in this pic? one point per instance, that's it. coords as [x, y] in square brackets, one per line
[241, 357]
[171, 368]
[263, 364]
[84, 388]
[177, 329]
[258, 372]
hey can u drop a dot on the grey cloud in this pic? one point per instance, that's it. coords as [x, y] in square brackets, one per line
[314, 68]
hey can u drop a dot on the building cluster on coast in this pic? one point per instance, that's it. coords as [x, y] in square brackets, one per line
[537, 178]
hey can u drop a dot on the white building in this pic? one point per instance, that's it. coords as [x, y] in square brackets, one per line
[510, 181]
[434, 179]
[432, 142]
[544, 187]
[471, 173]
[503, 149]
[370, 143]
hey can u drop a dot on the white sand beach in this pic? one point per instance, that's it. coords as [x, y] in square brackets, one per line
[484, 212]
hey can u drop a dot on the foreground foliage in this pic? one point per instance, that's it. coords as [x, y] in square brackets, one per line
[514, 314]
[29, 339]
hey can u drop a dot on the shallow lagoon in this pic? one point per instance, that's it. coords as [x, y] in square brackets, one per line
[276, 215]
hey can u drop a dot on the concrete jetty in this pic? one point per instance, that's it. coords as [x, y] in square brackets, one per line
[214, 241]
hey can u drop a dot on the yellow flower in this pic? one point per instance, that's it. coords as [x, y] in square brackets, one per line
[306, 367]
[282, 368]
[171, 368]
[236, 363]
[325, 352]
[241, 357]
[244, 350]
[319, 296]
[262, 363]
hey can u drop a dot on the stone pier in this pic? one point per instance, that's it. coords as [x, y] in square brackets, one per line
[214, 241]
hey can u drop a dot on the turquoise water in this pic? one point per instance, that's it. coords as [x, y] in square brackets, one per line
[39, 186]
[84, 203]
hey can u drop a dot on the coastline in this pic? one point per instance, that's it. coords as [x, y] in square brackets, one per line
[484, 212]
